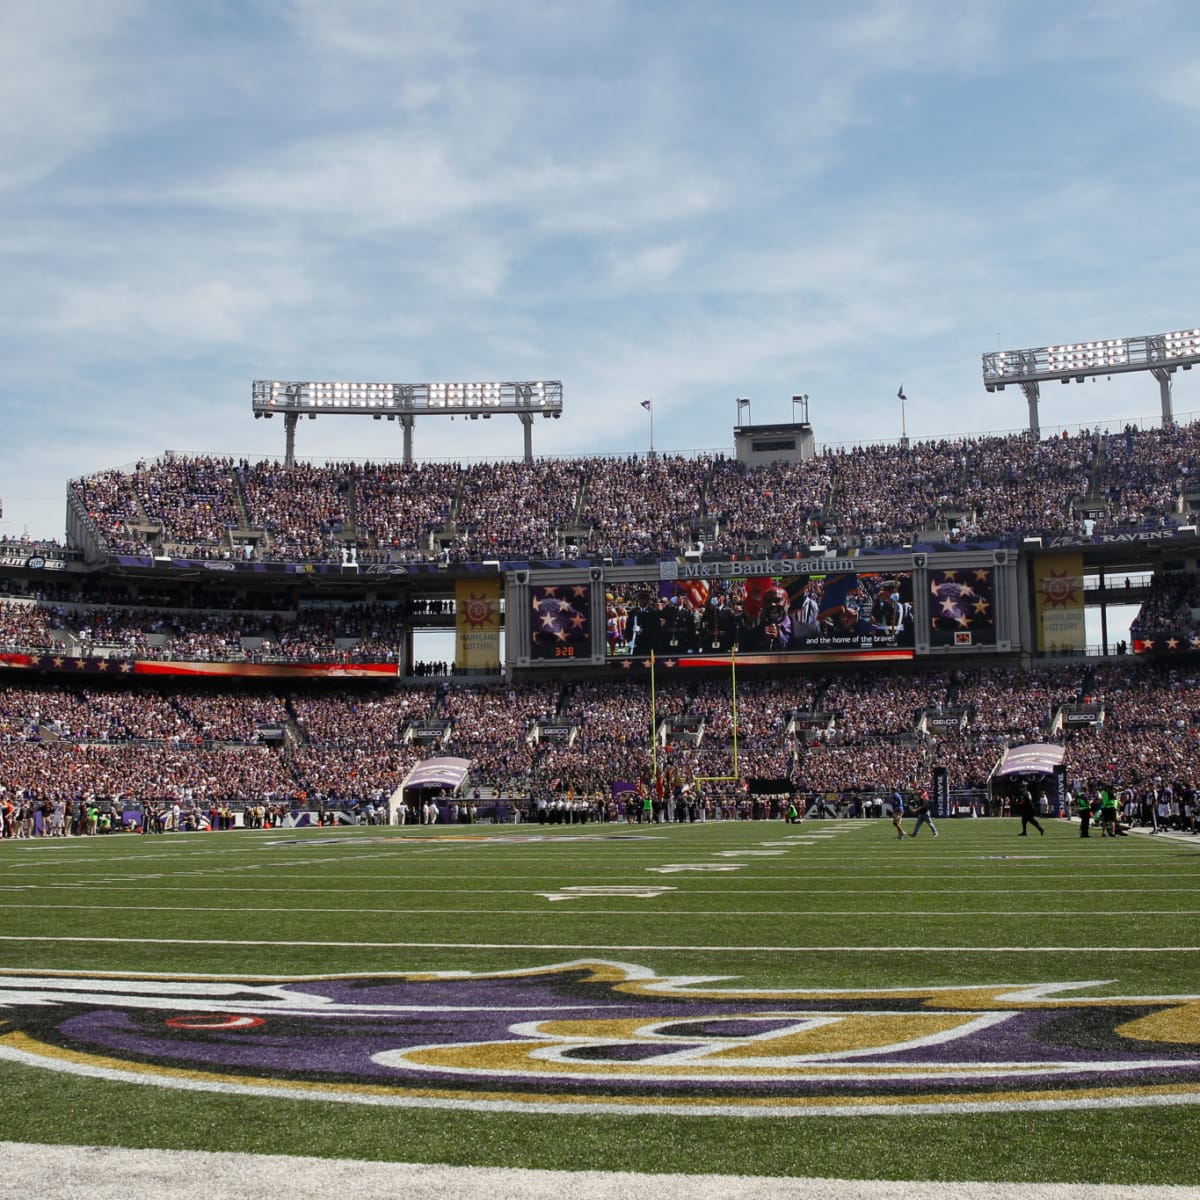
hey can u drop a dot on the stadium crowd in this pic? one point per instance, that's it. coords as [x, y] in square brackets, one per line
[585, 749]
[838, 742]
[70, 622]
[887, 495]
[345, 633]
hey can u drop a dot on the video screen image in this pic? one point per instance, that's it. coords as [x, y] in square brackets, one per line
[838, 612]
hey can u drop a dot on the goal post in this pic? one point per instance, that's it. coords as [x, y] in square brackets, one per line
[733, 713]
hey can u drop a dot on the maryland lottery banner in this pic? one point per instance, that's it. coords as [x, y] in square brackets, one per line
[477, 624]
[1060, 619]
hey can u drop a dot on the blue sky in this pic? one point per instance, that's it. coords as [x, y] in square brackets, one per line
[689, 202]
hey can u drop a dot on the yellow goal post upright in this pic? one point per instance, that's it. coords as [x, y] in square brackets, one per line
[654, 724]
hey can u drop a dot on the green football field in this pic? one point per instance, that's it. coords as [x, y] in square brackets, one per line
[729, 997]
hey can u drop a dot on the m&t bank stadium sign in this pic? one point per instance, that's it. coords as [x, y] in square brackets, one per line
[746, 570]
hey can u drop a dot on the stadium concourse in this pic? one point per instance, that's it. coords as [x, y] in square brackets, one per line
[74, 729]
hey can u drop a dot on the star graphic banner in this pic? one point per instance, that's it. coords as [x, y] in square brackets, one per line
[560, 623]
[962, 607]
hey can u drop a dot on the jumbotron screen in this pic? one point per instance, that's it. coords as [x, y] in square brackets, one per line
[857, 613]
[962, 607]
[560, 623]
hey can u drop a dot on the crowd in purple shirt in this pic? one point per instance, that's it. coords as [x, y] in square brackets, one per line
[882, 495]
[864, 736]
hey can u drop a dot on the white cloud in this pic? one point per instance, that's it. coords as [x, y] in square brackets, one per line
[197, 312]
[60, 92]
[383, 30]
[906, 36]
[1179, 83]
[649, 266]
[357, 184]
[690, 202]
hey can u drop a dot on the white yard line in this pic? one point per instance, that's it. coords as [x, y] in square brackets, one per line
[588, 946]
[613, 913]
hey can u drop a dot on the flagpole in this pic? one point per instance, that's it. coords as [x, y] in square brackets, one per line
[651, 426]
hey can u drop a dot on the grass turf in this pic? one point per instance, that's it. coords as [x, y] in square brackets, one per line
[980, 906]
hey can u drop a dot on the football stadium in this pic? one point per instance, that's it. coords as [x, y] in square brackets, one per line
[739, 833]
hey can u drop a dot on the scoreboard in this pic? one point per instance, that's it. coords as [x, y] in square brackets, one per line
[685, 612]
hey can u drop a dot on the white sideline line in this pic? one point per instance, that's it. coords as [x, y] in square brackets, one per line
[57, 1173]
[110, 1173]
[583, 946]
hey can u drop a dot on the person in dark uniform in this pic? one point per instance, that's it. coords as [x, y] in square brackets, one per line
[718, 626]
[1027, 811]
[643, 629]
[678, 627]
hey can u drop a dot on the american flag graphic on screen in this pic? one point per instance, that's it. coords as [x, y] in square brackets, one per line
[560, 623]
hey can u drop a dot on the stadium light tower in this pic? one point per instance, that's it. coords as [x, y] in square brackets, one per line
[1161, 354]
[404, 402]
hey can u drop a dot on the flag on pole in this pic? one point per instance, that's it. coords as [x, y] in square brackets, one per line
[646, 405]
[900, 394]
[743, 401]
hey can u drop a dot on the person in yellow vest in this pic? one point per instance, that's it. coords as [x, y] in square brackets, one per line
[1110, 825]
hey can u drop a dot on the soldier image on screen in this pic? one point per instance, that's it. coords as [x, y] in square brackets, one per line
[643, 627]
[760, 614]
[679, 632]
[885, 609]
[718, 625]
